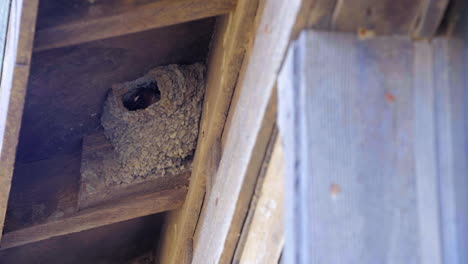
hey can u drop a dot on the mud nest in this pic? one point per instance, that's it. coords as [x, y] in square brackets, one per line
[152, 122]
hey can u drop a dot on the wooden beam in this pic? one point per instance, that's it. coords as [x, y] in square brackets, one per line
[232, 38]
[275, 22]
[15, 72]
[253, 177]
[416, 18]
[133, 19]
[431, 13]
[263, 239]
[129, 208]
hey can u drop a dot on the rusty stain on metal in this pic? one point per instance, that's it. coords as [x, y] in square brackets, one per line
[335, 190]
[364, 33]
[389, 97]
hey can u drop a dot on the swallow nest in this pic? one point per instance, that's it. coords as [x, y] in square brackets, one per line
[152, 122]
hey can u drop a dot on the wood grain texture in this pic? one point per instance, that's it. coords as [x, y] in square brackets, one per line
[129, 208]
[116, 243]
[231, 39]
[253, 177]
[275, 24]
[264, 238]
[68, 86]
[388, 144]
[416, 18]
[430, 18]
[133, 19]
[43, 191]
[321, 13]
[15, 72]
[382, 17]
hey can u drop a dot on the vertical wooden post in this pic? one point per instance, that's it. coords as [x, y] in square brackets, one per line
[15, 72]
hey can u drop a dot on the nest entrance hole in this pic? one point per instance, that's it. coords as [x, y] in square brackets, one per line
[142, 96]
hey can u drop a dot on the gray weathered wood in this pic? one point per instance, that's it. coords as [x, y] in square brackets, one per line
[135, 18]
[264, 238]
[4, 11]
[430, 16]
[240, 154]
[375, 150]
[230, 44]
[417, 18]
[15, 72]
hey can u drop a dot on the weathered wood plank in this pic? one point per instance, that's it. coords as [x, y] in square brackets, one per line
[255, 88]
[261, 151]
[133, 19]
[430, 17]
[118, 211]
[375, 149]
[264, 238]
[4, 14]
[109, 244]
[417, 18]
[382, 17]
[15, 72]
[42, 191]
[231, 40]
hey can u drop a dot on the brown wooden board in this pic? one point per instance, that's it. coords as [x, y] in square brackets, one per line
[112, 212]
[119, 243]
[253, 178]
[231, 40]
[275, 23]
[114, 18]
[65, 95]
[15, 71]
[416, 18]
[42, 191]
[64, 101]
[68, 86]
[262, 237]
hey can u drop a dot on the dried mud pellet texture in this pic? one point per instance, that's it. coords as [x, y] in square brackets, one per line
[153, 122]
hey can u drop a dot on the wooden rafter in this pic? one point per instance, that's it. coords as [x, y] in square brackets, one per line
[245, 137]
[417, 18]
[230, 41]
[133, 19]
[223, 208]
[104, 206]
[262, 238]
[15, 72]
[131, 207]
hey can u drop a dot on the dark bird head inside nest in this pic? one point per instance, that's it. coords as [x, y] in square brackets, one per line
[142, 96]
